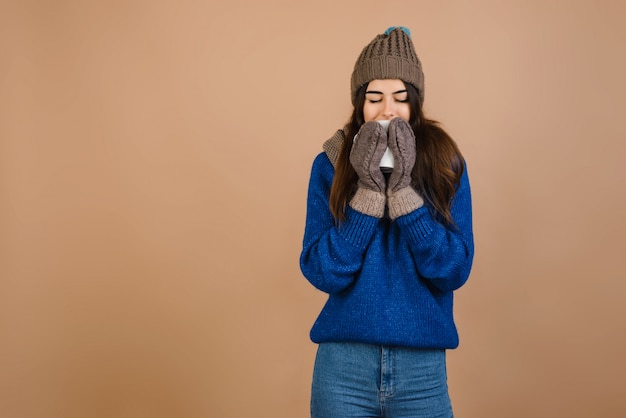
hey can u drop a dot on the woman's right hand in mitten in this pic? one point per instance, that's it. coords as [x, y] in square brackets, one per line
[367, 150]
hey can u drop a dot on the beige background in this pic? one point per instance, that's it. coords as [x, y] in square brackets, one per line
[154, 160]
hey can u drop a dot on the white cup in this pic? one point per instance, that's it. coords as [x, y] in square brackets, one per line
[386, 163]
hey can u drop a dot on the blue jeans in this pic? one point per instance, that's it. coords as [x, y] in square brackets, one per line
[362, 380]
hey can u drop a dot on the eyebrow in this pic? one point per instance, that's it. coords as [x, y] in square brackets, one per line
[380, 92]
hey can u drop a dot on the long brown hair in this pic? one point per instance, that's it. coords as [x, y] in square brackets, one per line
[438, 166]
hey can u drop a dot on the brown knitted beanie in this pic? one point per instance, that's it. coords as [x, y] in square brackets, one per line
[389, 55]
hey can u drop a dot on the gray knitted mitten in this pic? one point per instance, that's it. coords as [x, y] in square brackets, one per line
[367, 151]
[403, 199]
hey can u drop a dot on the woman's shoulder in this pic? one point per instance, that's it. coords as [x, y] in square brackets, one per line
[322, 164]
[464, 174]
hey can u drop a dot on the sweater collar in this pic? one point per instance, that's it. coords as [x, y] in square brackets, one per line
[332, 146]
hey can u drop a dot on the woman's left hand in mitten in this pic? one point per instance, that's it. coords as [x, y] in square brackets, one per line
[402, 198]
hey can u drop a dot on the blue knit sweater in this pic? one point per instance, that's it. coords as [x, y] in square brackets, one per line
[389, 282]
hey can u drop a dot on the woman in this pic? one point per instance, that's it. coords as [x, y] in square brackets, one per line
[389, 249]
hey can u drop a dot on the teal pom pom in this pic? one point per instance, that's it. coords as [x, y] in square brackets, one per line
[404, 29]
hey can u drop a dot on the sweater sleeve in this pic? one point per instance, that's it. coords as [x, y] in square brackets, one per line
[443, 254]
[332, 254]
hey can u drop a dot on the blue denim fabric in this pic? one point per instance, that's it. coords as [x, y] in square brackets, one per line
[363, 380]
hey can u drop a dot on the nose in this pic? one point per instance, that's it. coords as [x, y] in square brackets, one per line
[389, 109]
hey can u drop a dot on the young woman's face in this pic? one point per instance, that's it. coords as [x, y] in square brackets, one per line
[385, 100]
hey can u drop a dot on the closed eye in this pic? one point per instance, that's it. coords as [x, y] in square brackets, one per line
[377, 96]
[401, 96]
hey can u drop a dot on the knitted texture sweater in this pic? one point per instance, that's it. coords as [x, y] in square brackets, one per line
[388, 282]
